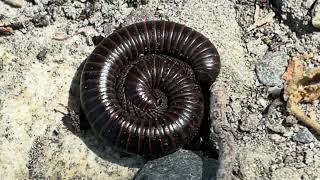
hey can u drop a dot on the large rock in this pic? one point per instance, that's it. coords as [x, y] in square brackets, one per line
[181, 165]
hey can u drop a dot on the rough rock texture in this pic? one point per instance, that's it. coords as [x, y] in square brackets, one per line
[40, 134]
[271, 67]
[180, 165]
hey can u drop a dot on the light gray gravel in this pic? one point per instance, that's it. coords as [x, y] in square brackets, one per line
[39, 68]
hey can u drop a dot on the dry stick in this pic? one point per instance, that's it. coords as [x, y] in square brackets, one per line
[261, 22]
[296, 94]
[300, 115]
[68, 36]
[221, 126]
[256, 13]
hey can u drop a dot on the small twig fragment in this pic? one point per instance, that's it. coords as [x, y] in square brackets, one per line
[61, 38]
[256, 13]
[66, 37]
[221, 127]
[263, 21]
[301, 116]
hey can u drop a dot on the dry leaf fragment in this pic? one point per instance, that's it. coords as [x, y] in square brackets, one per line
[294, 68]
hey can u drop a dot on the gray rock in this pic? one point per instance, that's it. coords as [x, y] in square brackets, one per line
[303, 136]
[274, 122]
[270, 68]
[181, 165]
[316, 15]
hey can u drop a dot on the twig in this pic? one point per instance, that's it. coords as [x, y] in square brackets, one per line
[66, 37]
[256, 13]
[301, 116]
[304, 88]
[263, 21]
[220, 125]
[62, 38]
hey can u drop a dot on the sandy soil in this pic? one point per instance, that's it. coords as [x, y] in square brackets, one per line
[39, 66]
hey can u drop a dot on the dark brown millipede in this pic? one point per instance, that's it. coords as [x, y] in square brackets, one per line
[142, 86]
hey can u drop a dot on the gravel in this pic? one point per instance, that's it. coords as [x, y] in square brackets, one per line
[39, 74]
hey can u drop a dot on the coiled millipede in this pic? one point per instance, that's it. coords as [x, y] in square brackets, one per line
[141, 88]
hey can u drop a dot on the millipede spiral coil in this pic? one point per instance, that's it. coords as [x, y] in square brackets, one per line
[141, 88]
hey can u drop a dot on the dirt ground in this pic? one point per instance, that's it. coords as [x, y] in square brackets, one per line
[40, 56]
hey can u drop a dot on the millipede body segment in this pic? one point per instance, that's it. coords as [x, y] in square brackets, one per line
[142, 86]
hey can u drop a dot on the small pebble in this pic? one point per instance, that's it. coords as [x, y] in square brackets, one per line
[303, 136]
[274, 122]
[291, 120]
[40, 21]
[42, 54]
[316, 15]
[263, 102]
[270, 68]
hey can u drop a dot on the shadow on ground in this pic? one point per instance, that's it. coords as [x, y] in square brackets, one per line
[76, 122]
